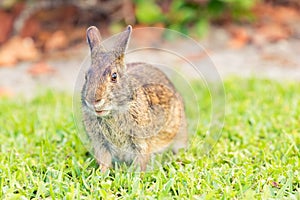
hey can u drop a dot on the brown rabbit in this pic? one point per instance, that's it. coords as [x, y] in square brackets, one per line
[131, 110]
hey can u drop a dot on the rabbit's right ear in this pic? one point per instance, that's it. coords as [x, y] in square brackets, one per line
[93, 38]
[123, 39]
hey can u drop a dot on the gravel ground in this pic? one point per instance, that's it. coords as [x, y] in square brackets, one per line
[280, 61]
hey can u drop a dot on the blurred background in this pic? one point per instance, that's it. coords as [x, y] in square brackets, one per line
[42, 42]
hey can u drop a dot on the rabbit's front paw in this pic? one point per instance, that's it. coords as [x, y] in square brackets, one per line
[104, 159]
[142, 161]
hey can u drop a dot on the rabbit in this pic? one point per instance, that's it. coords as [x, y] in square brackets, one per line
[130, 110]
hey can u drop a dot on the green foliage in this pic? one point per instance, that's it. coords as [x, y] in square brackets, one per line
[257, 156]
[148, 12]
[191, 15]
[7, 4]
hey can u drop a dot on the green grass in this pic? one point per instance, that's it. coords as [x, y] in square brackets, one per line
[257, 156]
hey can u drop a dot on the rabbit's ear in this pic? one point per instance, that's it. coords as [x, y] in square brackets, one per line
[93, 38]
[123, 39]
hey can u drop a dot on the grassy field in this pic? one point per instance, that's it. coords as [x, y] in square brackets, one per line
[257, 156]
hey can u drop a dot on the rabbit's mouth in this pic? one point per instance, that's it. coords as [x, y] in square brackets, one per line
[101, 113]
[101, 109]
[97, 110]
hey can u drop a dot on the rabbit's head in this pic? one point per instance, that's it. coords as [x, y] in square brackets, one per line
[106, 88]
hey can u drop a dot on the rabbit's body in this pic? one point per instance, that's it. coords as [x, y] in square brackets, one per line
[133, 116]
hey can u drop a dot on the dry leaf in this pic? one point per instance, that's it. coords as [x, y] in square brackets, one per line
[285, 15]
[5, 92]
[58, 40]
[197, 56]
[40, 69]
[18, 49]
[27, 50]
[31, 28]
[7, 58]
[6, 25]
[275, 22]
[239, 37]
[149, 37]
[273, 32]
[275, 184]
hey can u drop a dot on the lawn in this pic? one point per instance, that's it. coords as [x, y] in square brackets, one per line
[256, 157]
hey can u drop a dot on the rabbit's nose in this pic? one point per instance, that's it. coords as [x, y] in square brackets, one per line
[99, 104]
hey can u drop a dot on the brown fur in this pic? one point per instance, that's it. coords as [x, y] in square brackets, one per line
[134, 115]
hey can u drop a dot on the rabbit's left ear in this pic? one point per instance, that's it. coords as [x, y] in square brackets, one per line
[123, 40]
[94, 38]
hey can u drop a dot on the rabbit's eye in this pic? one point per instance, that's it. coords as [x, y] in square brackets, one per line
[113, 77]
